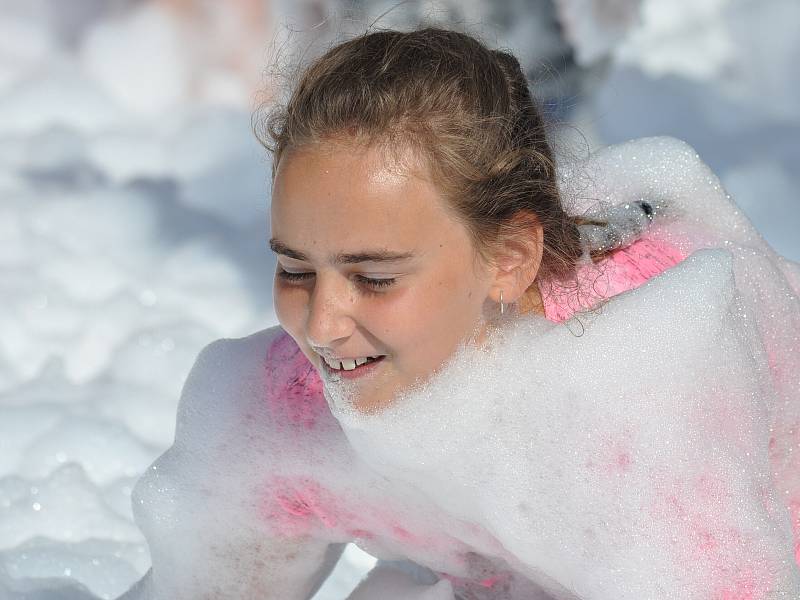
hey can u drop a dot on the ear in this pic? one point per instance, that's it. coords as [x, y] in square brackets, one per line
[517, 259]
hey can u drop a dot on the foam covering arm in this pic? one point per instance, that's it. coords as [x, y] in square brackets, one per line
[388, 582]
[196, 507]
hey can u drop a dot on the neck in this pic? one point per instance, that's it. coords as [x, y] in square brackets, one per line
[531, 300]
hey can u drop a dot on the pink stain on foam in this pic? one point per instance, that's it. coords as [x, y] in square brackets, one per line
[777, 363]
[402, 534]
[464, 584]
[794, 513]
[745, 588]
[294, 389]
[706, 494]
[296, 506]
[385, 518]
[490, 582]
[786, 472]
[360, 534]
[614, 455]
[712, 489]
[699, 507]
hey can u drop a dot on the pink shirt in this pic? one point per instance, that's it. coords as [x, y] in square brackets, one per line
[625, 269]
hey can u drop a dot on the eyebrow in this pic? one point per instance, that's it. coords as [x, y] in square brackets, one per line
[344, 258]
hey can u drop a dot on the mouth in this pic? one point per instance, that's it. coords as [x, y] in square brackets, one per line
[350, 368]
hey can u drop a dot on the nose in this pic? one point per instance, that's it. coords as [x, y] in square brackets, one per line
[330, 312]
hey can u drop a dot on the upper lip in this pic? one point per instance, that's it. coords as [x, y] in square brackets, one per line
[329, 357]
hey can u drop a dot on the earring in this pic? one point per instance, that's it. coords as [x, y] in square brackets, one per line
[502, 306]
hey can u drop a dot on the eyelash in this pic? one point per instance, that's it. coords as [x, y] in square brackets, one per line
[374, 283]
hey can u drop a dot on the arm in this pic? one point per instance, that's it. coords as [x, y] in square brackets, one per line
[198, 504]
[398, 581]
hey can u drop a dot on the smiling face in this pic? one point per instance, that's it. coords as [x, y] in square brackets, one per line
[372, 262]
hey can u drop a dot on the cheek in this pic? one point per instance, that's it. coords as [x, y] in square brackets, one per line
[290, 306]
[454, 297]
[441, 313]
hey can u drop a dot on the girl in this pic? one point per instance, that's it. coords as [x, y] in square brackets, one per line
[498, 398]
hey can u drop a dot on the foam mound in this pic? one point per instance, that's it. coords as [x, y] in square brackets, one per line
[642, 443]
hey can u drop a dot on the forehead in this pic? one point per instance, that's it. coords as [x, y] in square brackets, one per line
[339, 197]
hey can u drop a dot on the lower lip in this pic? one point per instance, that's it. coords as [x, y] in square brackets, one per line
[359, 371]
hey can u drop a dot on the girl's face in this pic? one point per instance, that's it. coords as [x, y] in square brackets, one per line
[372, 263]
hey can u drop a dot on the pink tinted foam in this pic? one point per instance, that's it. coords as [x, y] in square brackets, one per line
[295, 506]
[294, 389]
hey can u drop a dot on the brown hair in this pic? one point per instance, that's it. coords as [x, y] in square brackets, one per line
[464, 108]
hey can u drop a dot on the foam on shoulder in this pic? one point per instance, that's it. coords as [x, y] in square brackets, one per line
[210, 506]
[643, 443]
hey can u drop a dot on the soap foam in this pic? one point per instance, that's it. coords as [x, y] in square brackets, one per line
[660, 443]
[640, 447]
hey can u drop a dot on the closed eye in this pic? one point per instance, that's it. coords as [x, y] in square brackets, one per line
[368, 281]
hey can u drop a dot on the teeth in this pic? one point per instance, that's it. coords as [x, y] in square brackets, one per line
[348, 364]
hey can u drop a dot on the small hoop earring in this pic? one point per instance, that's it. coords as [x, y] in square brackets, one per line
[502, 306]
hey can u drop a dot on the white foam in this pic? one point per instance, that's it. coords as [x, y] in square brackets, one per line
[569, 450]
[636, 459]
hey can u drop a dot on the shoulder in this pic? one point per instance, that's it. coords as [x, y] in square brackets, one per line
[654, 149]
[225, 366]
[649, 159]
[657, 168]
[229, 361]
[263, 376]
